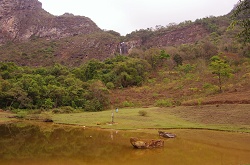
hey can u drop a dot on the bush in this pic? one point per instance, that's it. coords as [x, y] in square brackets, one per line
[93, 106]
[110, 85]
[164, 103]
[21, 114]
[187, 68]
[166, 80]
[37, 111]
[143, 113]
[66, 109]
[210, 88]
[56, 111]
[127, 104]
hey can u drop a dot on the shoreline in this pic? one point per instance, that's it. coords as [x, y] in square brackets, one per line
[235, 119]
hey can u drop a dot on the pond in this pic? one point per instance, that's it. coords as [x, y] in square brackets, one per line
[50, 144]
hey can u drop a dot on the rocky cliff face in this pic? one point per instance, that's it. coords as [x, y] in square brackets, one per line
[21, 20]
[73, 40]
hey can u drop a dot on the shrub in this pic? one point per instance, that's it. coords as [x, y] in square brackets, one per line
[164, 103]
[210, 88]
[177, 103]
[93, 106]
[166, 80]
[194, 89]
[207, 85]
[153, 80]
[56, 111]
[66, 109]
[187, 68]
[110, 85]
[37, 111]
[178, 59]
[127, 104]
[143, 113]
[21, 114]
[199, 102]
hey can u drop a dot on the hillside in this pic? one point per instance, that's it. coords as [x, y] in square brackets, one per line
[31, 36]
[70, 51]
[61, 61]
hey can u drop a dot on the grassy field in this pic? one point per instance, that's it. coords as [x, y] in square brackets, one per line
[223, 117]
[215, 117]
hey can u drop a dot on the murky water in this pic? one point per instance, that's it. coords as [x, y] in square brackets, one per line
[56, 145]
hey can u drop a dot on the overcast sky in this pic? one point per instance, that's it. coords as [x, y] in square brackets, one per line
[125, 16]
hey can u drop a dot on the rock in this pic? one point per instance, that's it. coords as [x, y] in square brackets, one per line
[146, 144]
[166, 134]
[140, 144]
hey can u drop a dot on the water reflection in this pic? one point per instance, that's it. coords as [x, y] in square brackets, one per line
[54, 145]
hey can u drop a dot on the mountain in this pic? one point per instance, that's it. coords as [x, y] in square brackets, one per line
[31, 36]
[22, 19]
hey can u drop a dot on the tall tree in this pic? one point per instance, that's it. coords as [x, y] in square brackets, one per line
[241, 17]
[220, 68]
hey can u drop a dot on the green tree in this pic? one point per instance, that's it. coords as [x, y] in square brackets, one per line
[16, 97]
[155, 57]
[131, 72]
[58, 70]
[220, 68]
[97, 97]
[241, 17]
[48, 103]
[90, 70]
[57, 95]
[178, 60]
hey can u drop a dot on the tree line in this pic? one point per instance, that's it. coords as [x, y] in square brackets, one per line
[86, 87]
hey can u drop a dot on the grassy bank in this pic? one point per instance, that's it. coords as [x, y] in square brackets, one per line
[223, 117]
[214, 117]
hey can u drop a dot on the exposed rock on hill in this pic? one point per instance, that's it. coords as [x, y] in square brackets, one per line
[73, 40]
[21, 20]
[70, 51]
[177, 36]
[184, 35]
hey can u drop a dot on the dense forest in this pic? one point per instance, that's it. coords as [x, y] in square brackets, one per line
[82, 87]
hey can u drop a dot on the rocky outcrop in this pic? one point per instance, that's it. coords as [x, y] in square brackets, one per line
[127, 47]
[22, 20]
[164, 37]
[183, 35]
